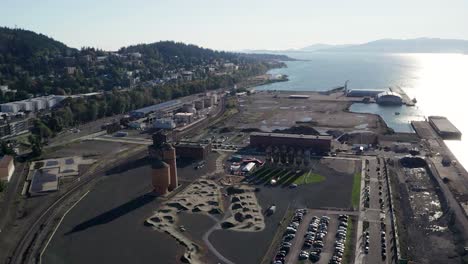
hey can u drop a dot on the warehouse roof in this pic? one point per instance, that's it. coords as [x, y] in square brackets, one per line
[299, 96]
[389, 93]
[443, 124]
[44, 180]
[291, 135]
[158, 107]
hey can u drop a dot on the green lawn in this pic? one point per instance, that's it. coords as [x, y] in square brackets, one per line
[356, 193]
[309, 177]
[348, 252]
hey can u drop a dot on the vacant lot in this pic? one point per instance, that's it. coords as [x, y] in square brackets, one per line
[268, 111]
[107, 225]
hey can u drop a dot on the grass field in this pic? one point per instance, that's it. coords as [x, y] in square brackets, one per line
[309, 177]
[356, 192]
[285, 177]
[348, 252]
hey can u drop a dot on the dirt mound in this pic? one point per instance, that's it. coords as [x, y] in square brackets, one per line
[301, 129]
[227, 225]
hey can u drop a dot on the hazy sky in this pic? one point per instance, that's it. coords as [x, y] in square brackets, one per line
[236, 24]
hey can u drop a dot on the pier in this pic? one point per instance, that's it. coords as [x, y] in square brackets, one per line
[444, 128]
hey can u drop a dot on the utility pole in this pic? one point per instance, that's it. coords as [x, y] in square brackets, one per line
[346, 87]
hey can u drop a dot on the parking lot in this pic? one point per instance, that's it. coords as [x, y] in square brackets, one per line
[315, 236]
[375, 242]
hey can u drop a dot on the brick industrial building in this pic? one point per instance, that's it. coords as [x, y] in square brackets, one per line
[317, 144]
[191, 150]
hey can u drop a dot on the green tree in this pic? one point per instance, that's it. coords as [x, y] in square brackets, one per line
[6, 149]
[92, 111]
[36, 145]
[41, 130]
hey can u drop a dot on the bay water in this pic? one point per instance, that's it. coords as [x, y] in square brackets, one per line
[439, 82]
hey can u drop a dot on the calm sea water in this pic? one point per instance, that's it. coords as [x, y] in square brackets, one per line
[438, 81]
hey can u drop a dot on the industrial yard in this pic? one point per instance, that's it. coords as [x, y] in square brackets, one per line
[283, 177]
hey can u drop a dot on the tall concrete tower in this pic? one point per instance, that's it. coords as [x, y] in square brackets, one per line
[169, 156]
[164, 167]
[160, 175]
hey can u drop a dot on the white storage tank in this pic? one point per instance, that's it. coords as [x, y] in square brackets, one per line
[164, 123]
[39, 103]
[183, 117]
[10, 108]
[189, 108]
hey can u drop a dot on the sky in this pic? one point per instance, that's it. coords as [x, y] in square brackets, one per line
[236, 24]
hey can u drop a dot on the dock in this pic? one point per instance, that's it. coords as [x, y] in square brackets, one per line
[406, 100]
[424, 130]
[444, 128]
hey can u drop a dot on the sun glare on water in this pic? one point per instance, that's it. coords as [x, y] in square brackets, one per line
[441, 88]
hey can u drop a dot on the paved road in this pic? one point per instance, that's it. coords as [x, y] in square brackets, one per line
[329, 242]
[128, 140]
[210, 246]
[9, 194]
[373, 215]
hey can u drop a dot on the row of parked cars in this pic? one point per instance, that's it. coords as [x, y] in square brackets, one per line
[314, 238]
[366, 196]
[383, 240]
[289, 234]
[340, 240]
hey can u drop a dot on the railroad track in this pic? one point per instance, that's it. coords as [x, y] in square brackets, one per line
[24, 249]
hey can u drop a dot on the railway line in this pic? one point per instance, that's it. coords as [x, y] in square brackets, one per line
[26, 250]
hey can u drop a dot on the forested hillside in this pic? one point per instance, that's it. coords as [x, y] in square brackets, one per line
[34, 64]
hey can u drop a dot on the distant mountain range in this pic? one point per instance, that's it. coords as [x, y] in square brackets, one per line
[418, 45]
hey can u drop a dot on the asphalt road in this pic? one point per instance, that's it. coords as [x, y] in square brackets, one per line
[373, 215]
[9, 194]
[297, 242]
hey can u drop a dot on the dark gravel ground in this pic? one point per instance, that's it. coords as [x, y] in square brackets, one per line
[196, 226]
[107, 226]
